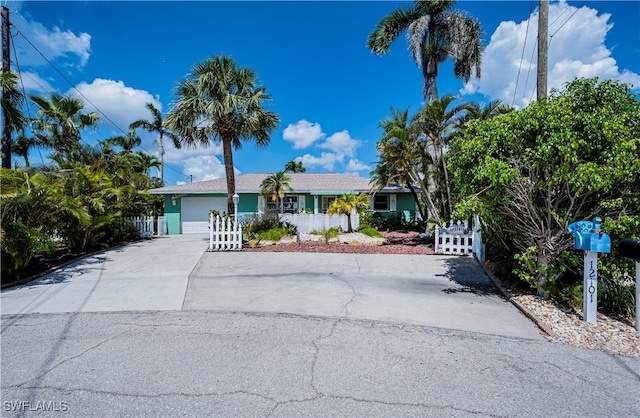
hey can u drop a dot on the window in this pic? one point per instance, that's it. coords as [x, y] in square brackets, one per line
[326, 202]
[381, 202]
[290, 204]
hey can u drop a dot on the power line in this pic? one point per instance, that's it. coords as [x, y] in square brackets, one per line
[87, 99]
[565, 22]
[526, 34]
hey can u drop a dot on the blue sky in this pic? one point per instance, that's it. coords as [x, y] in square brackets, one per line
[328, 88]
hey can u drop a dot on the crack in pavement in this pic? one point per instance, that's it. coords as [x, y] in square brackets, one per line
[49, 370]
[68, 391]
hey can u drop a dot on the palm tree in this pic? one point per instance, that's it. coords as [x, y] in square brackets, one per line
[219, 101]
[404, 160]
[295, 167]
[12, 100]
[437, 122]
[157, 125]
[127, 142]
[435, 33]
[20, 146]
[274, 186]
[60, 122]
[348, 203]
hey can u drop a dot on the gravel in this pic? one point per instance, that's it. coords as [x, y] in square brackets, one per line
[562, 325]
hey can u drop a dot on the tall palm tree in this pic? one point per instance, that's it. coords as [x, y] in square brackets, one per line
[274, 186]
[437, 122]
[157, 125]
[434, 33]
[60, 120]
[219, 101]
[347, 204]
[11, 103]
[295, 167]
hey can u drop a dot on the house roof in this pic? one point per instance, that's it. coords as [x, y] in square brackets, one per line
[314, 183]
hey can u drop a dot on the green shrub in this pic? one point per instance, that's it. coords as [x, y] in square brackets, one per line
[273, 234]
[616, 299]
[370, 232]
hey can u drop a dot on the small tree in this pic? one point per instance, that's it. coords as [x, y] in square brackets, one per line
[274, 186]
[347, 204]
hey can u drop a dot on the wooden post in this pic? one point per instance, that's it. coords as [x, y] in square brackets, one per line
[590, 287]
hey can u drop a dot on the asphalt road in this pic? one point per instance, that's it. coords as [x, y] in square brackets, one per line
[162, 328]
[203, 364]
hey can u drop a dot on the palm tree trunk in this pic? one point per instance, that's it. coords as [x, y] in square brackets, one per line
[227, 154]
[423, 214]
[161, 159]
[446, 185]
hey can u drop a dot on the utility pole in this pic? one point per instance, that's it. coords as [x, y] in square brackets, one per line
[6, 66]
[543, 34]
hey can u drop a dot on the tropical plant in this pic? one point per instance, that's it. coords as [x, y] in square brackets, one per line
[434, 33]
[60, 120]
[349, 203]
[275, 186]
[295, 167]
[11, 104]
[219, 101]
[156, 124]
[532, 172]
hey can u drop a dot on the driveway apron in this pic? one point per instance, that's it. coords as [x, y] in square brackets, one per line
[145, 275]
[440, 291]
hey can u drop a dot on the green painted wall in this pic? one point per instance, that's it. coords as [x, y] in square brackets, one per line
[173, 215]
[405, 201]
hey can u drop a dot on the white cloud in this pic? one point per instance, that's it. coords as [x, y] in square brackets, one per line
[52, 42]
[355, 165]
[34, 84]
[341, 144]
[327, 160]
[203, 167]
[302, 133]
[121, 104]
[576, 49]
[177, 156]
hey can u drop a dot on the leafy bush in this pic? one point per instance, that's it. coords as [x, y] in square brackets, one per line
[266, 226]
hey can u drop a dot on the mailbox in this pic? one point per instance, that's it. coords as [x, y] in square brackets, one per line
[629, 248]
[588, 237]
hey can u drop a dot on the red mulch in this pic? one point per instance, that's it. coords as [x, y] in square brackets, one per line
[397, 242]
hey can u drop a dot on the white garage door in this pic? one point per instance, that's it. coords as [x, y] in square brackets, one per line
[195, 213]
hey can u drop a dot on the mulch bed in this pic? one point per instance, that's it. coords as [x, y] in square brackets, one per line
[397, 242]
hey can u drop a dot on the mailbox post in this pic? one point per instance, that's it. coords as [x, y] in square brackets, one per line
[588, 237]
[631, 249]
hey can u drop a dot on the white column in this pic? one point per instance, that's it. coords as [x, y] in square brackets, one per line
[590, 284]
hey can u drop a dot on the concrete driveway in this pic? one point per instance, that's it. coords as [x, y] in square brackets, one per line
[176, 273]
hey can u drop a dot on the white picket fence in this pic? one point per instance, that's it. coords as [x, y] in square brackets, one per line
[224, 234]
[148, 227]
[459, 239]
[307, 222]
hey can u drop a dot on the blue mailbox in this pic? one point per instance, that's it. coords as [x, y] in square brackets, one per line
[587, 236]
